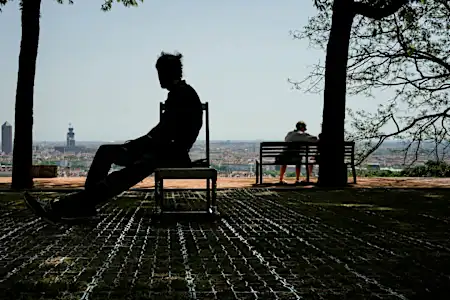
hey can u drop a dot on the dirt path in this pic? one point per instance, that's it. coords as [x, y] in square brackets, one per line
[224, 182]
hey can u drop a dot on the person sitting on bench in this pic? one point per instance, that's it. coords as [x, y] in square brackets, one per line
[297, 135]
[166, 145]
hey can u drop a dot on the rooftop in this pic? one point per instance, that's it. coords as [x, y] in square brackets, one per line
[6, 124]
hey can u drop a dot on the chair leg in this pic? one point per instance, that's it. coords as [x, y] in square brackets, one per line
[161, 195]
[208, 195]
[158, 192]
[214, 196]
[354, 174]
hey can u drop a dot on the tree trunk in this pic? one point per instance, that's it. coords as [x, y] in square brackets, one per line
[332, 171]
[23, 135]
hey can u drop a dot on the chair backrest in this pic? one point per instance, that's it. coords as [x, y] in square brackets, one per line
[205, 107]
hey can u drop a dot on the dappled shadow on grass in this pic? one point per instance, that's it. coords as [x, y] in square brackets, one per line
[421, 208]
[343, 244]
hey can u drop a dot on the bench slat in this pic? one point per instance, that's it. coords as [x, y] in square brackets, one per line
[186, 173]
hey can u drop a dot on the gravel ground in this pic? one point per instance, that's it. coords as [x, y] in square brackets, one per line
[304, 244]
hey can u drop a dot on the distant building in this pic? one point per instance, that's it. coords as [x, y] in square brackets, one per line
[70, 138]
[70, 146]
[7, 138]
[373, 167]
[5, 171]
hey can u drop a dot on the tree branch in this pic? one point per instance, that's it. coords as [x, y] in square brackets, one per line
[407, 53]
[378, 13]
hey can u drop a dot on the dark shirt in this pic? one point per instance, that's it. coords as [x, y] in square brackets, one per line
[182, 119]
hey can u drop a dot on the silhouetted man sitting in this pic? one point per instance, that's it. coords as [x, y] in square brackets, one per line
[166, 145]
[297, 135]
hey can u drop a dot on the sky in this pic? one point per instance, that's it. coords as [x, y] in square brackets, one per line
[96, 69]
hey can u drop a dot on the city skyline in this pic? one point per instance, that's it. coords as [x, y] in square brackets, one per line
[70, 140]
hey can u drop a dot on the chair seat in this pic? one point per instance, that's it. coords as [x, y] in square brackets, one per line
[186, 173]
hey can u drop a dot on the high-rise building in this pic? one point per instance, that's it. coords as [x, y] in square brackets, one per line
[7, 138]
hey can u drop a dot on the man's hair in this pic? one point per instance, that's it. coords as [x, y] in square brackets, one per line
[300, 125]
[170, 64]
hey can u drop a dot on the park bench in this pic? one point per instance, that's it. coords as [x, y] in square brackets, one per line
[199, 169]
[297, 153]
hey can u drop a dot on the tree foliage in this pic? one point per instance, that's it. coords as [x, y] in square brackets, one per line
[2, 3]
[407, 52]
[430, 169]
[106, 6]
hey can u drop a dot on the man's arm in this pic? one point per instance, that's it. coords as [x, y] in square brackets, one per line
[165, 130]
[312, 138]
[288, 137]
[161, 133]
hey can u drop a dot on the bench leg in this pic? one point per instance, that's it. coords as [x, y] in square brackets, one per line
[257, 172]
[260, 173]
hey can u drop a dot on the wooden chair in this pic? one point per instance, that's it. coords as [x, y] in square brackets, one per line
[199, 169]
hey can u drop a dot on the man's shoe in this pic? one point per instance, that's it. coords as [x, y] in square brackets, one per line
[51, 213]
[42, 209]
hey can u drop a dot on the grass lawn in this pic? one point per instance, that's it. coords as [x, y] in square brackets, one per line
[310, 244]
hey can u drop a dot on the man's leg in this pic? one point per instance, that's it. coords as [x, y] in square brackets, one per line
[297, 173]
[105, 156]
[72, 206]
[114, 184]
[310, 170]
[282, 171]
[120, 181]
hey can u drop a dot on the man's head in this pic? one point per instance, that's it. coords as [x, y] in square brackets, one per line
[170, 69]
[301, 126]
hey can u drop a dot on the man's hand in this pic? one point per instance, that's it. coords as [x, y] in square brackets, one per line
[133, 150]
[124, 157]
[142, 143]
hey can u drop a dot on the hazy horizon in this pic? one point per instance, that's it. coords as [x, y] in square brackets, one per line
[63, 142]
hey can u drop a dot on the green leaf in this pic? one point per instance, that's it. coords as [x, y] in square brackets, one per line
[127, 3]
[410, 50]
